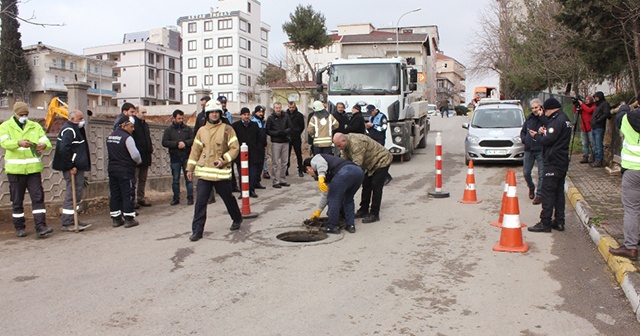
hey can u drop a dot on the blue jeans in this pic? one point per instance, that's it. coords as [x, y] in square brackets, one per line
[530, 157]
[587, 142]
[176, 169]
[342, 188]
[598, 139]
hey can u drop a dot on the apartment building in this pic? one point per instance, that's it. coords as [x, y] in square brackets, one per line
[450, 80]
[224, 51]
[52, 67]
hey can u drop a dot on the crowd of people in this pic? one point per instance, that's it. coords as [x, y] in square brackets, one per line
[344, 148]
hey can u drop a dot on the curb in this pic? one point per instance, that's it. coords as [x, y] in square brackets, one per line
[623, 269]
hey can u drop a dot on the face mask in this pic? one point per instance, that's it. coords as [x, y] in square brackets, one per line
[22, 119]
[81, 124]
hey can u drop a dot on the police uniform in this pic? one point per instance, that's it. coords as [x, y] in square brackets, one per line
[555, 156]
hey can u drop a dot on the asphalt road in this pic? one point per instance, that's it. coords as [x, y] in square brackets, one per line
[426, 269]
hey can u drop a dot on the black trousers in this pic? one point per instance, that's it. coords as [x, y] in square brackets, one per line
[121, 195]
[18, 184]
[223, 188]
[372, 191]
[254, 174]
[296, 144]
[553, 201]
[322, 150]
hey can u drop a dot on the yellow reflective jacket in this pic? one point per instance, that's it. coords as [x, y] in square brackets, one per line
[20, 160]
[213, 142]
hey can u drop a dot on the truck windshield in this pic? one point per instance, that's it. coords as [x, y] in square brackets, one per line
[347, 79]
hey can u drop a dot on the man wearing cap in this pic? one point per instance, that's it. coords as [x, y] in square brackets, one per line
[24, 141]
[279, 129]
[356, 122]
[297, 127]
[258, 118]
[178, 138]
[321, 128]
[142, 137]
[377, 129]
[72, 158]
[248, 132]
[226, 116]
[555, 138]
[629, 125]
[375, 160]
[211, 158]
[124, 157]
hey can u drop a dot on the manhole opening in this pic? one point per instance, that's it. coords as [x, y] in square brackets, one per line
[302, 236]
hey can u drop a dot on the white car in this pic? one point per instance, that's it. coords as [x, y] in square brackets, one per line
[432, 109]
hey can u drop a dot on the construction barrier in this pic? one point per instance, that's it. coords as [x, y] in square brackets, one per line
[438, 193]
[511, 234]
[469, 196]
[244, 178]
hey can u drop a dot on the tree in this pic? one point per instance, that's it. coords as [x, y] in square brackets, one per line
[306, 31]
[15, 74]
[271, 74]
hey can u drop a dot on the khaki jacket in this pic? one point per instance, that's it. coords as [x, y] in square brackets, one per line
[366, 153]
[213, 142]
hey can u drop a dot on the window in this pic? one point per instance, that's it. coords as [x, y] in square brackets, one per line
[248, 27]
[243, 25]
[264, 35]
[225, 60]
[172, 63]
[192, 27]
[249, 80]
[193, 80]
[243, 43]
[36, 60]
[224, 42]
[331, 48]
[229, 95]
[172, 78]
[208, 79]
[249, 7]
[208, 25]
[172, 93]
[243, 97]
[249, 63]
[243, 61]
[318, 51]
[151, 58]
[249, 45]
[159, 59]
[192, 63]
[225, 24]
[243, 79]
[152, 89]
[73, 65]
[225, 79]
[264, 52]
[263, 66]
[152, 74]
[208, 62]
[192, 45]
[191, 98]
[208, 43]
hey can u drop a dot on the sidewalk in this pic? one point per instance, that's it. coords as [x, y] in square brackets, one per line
[595, 196]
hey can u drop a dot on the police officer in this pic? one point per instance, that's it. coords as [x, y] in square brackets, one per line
[555, 138]
[123, 160]
[211, 158]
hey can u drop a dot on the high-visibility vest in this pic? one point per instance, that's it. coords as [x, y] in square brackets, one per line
[20, 160]
[630, 153]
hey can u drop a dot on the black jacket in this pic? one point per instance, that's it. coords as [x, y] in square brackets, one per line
[279, 128]
[200, 121]
[142, 137]
[72, 149]
[120, 158]
[555, 151]
[173, 135]
[253, 137]
[343, 121]
[534, 123]
[601, 113]
[297, 123]
[356, 124]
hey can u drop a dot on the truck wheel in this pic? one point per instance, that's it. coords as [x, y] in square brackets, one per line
[423, 141]
[407, 155]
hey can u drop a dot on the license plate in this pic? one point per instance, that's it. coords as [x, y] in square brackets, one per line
[496, 152]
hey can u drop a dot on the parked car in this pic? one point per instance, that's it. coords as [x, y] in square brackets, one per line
[494, 132]
[432, 109]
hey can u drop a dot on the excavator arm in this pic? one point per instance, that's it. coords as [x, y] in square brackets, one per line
[56, 107]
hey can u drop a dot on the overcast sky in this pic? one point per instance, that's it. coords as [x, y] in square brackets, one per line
[90, 23]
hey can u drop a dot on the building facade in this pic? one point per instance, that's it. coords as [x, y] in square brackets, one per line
[450, 80]
[53, 67]
[224, 51]
[145, 73]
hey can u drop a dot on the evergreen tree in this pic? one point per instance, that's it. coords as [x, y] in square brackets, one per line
[306, 31]
[15, 74]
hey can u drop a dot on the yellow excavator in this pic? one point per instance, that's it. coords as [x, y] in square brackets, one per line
[56, 107]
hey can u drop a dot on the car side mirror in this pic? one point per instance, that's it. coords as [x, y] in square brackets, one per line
[465, 125]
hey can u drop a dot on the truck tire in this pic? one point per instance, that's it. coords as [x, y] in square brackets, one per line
[407, 156]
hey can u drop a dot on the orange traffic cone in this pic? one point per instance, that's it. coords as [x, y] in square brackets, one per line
[469, 196]
[498, 223]
[511, 235]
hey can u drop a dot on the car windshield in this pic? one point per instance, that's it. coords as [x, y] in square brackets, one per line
[375, 79]
[497, 118]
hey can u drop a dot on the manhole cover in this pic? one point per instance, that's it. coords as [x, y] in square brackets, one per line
[302, 236]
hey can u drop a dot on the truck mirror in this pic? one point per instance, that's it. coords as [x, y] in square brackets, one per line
[413, 87]
[413, 76]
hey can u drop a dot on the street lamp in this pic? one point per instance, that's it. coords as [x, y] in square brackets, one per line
[398, 28]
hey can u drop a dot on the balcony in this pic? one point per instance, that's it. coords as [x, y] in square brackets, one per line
[101, 92]
[55, 87]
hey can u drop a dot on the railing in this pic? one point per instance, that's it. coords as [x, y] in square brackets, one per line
[101, 91]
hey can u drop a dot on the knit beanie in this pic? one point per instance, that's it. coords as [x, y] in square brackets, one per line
[20, 107]
[551, 104]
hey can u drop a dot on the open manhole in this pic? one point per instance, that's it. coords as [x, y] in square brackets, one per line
[302, 236]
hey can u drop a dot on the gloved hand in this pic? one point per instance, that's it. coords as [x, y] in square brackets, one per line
[321, 185]
[316, 214]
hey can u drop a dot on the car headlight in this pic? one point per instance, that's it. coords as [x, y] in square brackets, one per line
[473, 139]
[398, 139]
[397, 129]
[517, 139]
